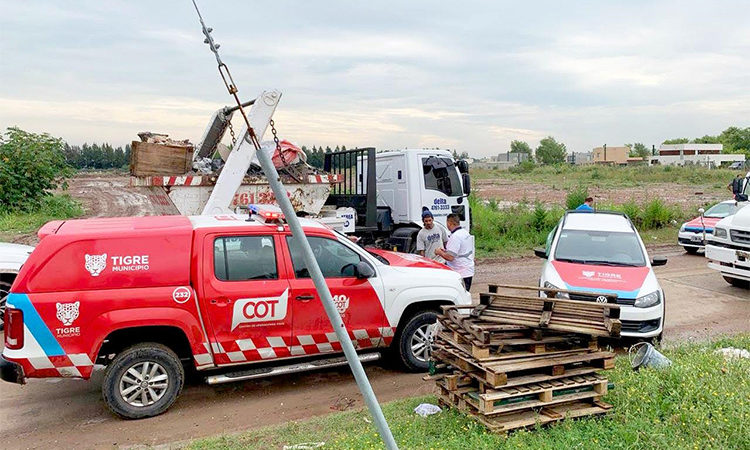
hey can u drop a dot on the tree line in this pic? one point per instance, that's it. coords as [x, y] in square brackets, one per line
[95, 156]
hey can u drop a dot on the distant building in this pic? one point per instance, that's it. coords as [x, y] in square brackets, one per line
[704, 154]
[611, 155]
[578, 158]
[516, 158]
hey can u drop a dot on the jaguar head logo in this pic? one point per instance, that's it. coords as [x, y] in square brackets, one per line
[96, 264]
[67, 313]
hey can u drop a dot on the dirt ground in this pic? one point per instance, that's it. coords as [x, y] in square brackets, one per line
[513, 192]
[67, 413]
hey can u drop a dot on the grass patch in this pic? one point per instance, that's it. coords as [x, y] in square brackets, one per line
[702, 401]
[54, 207]
[567, 176]
[516, 230]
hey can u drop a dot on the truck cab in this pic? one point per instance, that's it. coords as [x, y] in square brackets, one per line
[227, 295]
[389, 190]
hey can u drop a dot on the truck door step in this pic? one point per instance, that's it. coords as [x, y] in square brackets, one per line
[263, 372]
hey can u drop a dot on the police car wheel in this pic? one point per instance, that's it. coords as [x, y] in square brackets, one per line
[415, 341]
[143, 381]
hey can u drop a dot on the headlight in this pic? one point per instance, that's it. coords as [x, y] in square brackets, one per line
[648, 300]
[682, 228]
[549, 285]
[720, 233]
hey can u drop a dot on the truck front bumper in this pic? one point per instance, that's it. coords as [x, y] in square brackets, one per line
[11, 371]
[730, 261]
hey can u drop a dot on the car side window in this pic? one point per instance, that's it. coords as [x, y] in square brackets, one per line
[334, 258]
[242, 258]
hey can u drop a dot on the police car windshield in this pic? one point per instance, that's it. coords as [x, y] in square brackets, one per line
[721, 210]
[607, 248]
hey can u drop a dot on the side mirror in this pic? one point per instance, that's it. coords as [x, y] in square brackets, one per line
[540, 252]
[463, 166]
[364, 270]
[466, 179]
[659, 261]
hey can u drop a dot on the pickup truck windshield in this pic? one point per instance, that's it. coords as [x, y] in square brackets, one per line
[599, 248]
[440, 174]
[721, 210]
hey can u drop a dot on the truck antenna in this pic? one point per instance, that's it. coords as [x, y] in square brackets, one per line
[312, 264]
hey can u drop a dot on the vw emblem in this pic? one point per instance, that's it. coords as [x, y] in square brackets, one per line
[601, 299]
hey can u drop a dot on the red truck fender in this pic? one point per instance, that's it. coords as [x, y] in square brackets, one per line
[126, 327]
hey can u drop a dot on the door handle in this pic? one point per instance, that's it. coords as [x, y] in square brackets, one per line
[221, 301]
[304, 297]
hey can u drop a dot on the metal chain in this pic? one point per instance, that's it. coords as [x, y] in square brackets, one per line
[231, 132]
[276, 138]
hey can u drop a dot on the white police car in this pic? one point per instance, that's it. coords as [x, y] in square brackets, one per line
[602, 253]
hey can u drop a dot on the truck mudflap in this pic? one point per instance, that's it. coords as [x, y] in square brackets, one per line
[11, 372]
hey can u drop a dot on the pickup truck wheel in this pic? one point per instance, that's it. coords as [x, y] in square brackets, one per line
[691, 250]
[415, 340]
[143, 381]
[736, 282]
[4, 291]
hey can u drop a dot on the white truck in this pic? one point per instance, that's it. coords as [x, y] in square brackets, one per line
[728, 249]
[379, 195]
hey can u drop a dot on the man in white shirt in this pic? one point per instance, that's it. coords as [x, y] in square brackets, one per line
[459, 251]
[431, 237]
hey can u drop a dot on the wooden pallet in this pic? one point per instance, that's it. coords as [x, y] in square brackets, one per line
[591, 318]
[504, 423]
[520, 343]
[538, 394]
[498, 373]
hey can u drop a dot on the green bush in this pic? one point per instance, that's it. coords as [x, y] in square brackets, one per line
[52, 207]
[656, 215]
[523, 167]
[31, 165]
[576, 197]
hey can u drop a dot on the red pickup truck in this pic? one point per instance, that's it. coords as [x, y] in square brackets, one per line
[149, 297]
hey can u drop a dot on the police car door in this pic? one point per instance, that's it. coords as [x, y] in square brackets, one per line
[247, 298]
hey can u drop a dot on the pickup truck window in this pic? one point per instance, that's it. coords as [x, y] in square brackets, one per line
[335, 259]
[241, 258]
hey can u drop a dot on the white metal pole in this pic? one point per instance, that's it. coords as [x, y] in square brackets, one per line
[325, 296]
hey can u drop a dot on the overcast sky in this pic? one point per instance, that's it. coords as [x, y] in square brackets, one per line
[466, 75]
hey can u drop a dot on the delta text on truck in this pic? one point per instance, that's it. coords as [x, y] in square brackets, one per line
[228, 296]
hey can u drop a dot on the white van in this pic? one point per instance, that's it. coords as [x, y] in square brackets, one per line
[602, 253]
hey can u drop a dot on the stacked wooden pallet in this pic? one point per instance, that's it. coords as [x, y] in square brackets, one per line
[516, 361]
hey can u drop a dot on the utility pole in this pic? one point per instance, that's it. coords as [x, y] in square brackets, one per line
[299, 236]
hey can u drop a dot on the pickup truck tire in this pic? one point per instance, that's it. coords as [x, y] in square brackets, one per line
[143, 381]
[691, 250]
[414, 341]
[736, 282]
[4, 291]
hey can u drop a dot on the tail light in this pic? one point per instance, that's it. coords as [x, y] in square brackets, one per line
[13, 328]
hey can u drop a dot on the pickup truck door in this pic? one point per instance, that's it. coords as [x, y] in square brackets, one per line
[357, 299]
[246, 299]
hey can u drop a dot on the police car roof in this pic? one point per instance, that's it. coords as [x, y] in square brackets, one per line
[240, 220]
[599, 221]
[113, 225]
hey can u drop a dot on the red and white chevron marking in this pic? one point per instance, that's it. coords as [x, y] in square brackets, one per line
[72, 365]
[245, 350]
